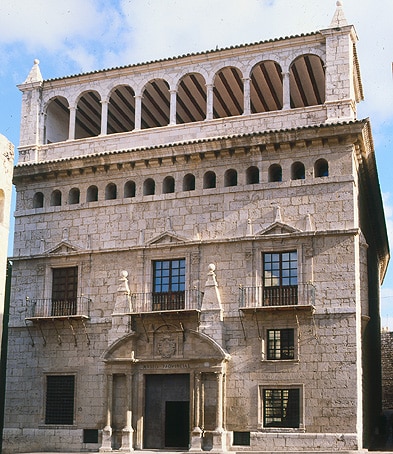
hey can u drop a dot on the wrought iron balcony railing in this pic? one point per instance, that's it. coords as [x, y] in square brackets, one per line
[50, 308]
[166, 301]
[291, 295]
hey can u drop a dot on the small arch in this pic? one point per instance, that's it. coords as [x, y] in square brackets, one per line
[307, 81]
[110, 191]
[88, 115]
[149, 187]
[121, 110]
[252, 175]
[275, 173]
[74, 196]
[92, 194]
[57, 120]
[228, 99]
[298, 171]
[191, 99]
[321, 168]
[230, 178]
[266, 88]
[38, 200]
[209, 180]
[129, 189]
[55, 198]
[155, 104]
[189, 182]
[168, 185]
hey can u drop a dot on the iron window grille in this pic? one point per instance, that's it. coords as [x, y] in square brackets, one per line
[59, 407]
[169, 278]
[280, 344]
[281, 408]
[280, 278]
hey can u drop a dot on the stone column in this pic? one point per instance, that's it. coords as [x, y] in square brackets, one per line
[71, 126]
[196, 434]
[286, 91]
[247, 96]
[104, 117]
[172, 111]
[209, 101]
[107, 430]
[219, 441]
[138, 112]
[127, 432]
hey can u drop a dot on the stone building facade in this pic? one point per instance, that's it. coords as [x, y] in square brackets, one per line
[199, 245]
[6, 169]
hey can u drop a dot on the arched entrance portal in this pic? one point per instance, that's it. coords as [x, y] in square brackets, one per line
[165, 390]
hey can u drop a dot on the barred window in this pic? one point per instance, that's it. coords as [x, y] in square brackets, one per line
[280, 344]
[60, 399]
[281, 408]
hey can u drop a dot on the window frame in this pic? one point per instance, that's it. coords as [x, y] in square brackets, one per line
[299, 413]
[172, 276]
[55, 403]
[280, 346]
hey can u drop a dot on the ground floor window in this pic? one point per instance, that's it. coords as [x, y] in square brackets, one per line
[59, 407]
[281, 407]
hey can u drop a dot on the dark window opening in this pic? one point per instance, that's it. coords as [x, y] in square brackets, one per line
[189, 182]
[55, 198]
[298, 171]
[90, 436]
[230, 178]
[129, 189]
[59, 408]
[92, 194]
[280, 344]
[169, 277]
[168, 185]
[149, 187]
[111, 192]
[275, 173]
[38, 200]
[64, 291]
[280, 278]
[321, 168]
[252, 175]
[73, 196]
[281, 408]
[209, 180]
[241, 438]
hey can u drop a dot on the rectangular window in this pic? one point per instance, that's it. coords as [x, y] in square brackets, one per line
[280, 344]
[60, 399]
[281, 408]
[280, 274]
[64, 291]
[169, 277]
[241, 438]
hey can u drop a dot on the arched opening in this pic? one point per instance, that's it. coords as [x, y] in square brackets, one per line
[209, 180]
[149, 187]
[168, 185]
[73, 196]
[307, 81]
[121, 110]
[298, 171]
[230, 178]
[155, 104]
[266, 87]
[110, 191]
[189, 182]
[275, 173]
[252, 175]
[129, 189]
[321, 168]
[38, 200]
[191, 99]
[92, 194]
[57, 120]
[88, 115]
[55, 198]
[228, 93]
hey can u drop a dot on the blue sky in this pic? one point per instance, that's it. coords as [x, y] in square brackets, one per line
[74, 36]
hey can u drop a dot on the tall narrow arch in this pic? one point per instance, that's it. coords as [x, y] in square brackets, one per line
[88, 115]
[209, 180]
[149, 187]
[191, 99]
[57, 120]
[275, 173]
[155, 104]
[228, 99]
[252, 175]
[266, 87]
[110, 191]
[121, 110]
[189, 182]
[38, 200]
[74, 196]
[129, 189]
[92, 194]
[168, 185]
[55, 198]
[230, 178]
[307, 81]
[298, 171]
[321, 168]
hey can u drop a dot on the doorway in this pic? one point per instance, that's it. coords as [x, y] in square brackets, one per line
[167, 411]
